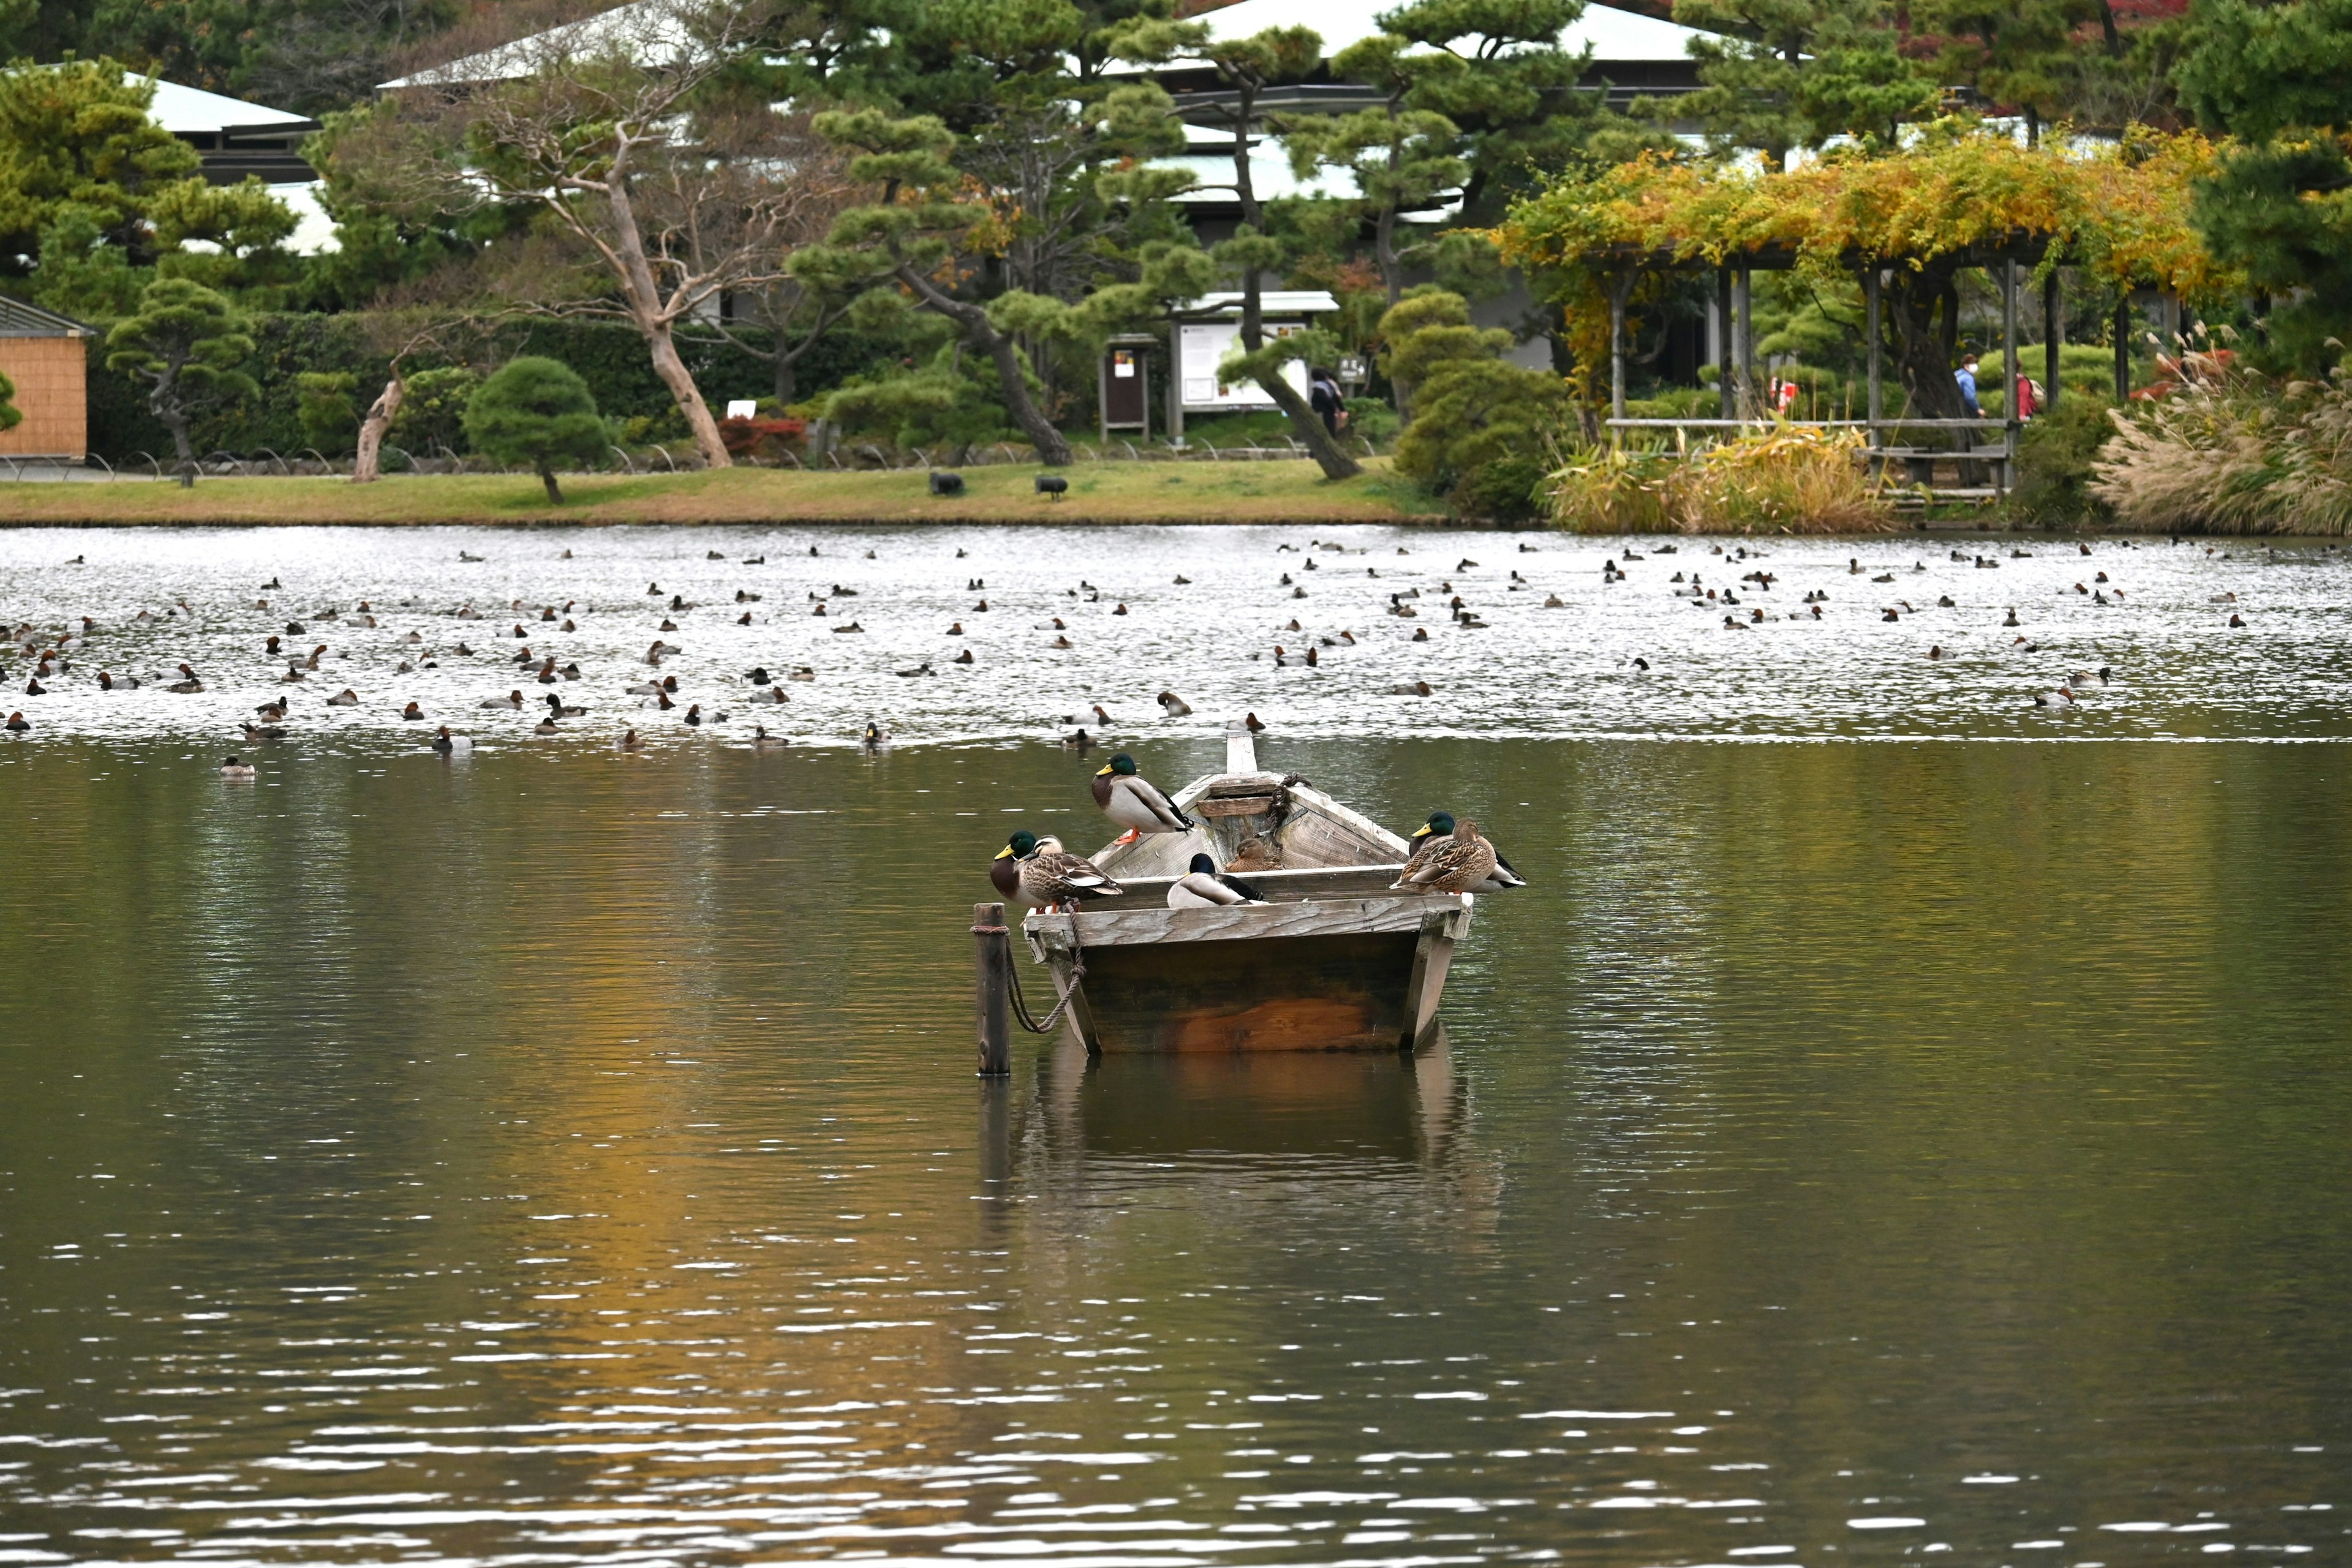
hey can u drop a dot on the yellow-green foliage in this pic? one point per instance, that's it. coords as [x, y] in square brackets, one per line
[1784, 479]
[2230, 452]
[2120, 212]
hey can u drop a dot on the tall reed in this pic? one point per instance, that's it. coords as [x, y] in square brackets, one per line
[2229, 451]
[1783, 479]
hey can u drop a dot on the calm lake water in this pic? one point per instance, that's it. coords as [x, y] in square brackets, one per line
[1848, 1151]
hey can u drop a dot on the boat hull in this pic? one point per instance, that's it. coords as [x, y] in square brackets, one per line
[1346, 974]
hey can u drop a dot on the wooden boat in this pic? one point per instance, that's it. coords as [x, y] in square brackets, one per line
[1334, 960]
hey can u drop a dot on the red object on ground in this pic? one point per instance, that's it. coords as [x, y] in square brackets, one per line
[740, 436]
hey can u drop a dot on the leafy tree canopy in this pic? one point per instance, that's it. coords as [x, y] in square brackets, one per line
[537, 411]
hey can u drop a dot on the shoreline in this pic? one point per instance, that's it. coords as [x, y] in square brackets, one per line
[1099, 493]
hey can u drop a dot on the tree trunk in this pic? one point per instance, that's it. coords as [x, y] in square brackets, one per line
[1319, 443]
[788, 381]
[1053, 447]
[643, 294]
[1335, 464]
[1917, 340]
[163, 403]
[688, 396]
[367, 467]
[547, 478]
[1391, 278]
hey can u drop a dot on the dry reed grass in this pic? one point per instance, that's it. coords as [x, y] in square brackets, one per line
[2228, 451]
[1786, 478]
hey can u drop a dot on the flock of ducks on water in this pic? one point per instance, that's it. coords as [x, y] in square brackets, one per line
[53, 655]
[1042, 874]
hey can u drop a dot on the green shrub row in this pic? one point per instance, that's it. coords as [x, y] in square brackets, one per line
[610, 356]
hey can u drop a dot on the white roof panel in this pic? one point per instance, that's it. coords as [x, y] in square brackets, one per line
[192, 112]
[1614, 33]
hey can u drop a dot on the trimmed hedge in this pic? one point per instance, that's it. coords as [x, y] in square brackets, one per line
[609, 355]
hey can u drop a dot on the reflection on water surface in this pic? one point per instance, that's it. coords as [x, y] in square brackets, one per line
[1840, 1155]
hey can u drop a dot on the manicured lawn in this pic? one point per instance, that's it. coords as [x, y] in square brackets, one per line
[1099, 492]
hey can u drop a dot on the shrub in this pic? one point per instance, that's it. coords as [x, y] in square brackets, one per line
[1611, 489]
[1471, 411]
[2232, 452]
[2054, 456]
[433, 410]
[536, 411]
[1784, 479]
[329, 423]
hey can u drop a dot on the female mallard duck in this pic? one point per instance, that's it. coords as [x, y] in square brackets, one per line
[233, 768]
[1205, 887]
[1436, 831]
[1449, 865]
[1132, 801]
[1040, 873]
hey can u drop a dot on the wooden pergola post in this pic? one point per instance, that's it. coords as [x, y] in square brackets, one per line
[2010, 370]
[2053, 333]
[1870, 288]
[1175, 385]
[1618, 289]
[1727, 347]
[1747, 301]
[2123, 349]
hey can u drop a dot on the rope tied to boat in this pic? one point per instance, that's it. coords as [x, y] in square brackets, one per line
[1077, 973]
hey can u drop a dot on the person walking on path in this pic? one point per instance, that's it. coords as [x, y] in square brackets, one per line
[1967, 377]
[1325, 398]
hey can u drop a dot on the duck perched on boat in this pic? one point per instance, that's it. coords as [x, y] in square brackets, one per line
[1134, 802]
[1040, 873]
[1453, 864]
[1438, 830]
[1205, 887]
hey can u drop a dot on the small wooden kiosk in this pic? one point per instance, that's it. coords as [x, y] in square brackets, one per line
[46, 357]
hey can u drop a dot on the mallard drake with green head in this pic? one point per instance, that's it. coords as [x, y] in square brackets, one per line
[1042, 875]
[1135, 803]
[1205, 887]
[1454, 864]
[1436, 831]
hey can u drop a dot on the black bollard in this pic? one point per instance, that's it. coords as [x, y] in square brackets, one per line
[992, 988]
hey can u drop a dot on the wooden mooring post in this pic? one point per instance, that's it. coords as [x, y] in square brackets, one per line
[993, 988]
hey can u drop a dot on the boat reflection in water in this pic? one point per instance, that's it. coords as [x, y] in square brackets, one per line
[1086, 1125]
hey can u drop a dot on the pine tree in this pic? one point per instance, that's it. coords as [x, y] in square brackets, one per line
[2279, 78]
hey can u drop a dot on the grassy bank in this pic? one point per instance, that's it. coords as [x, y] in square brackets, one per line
[1099, 492]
